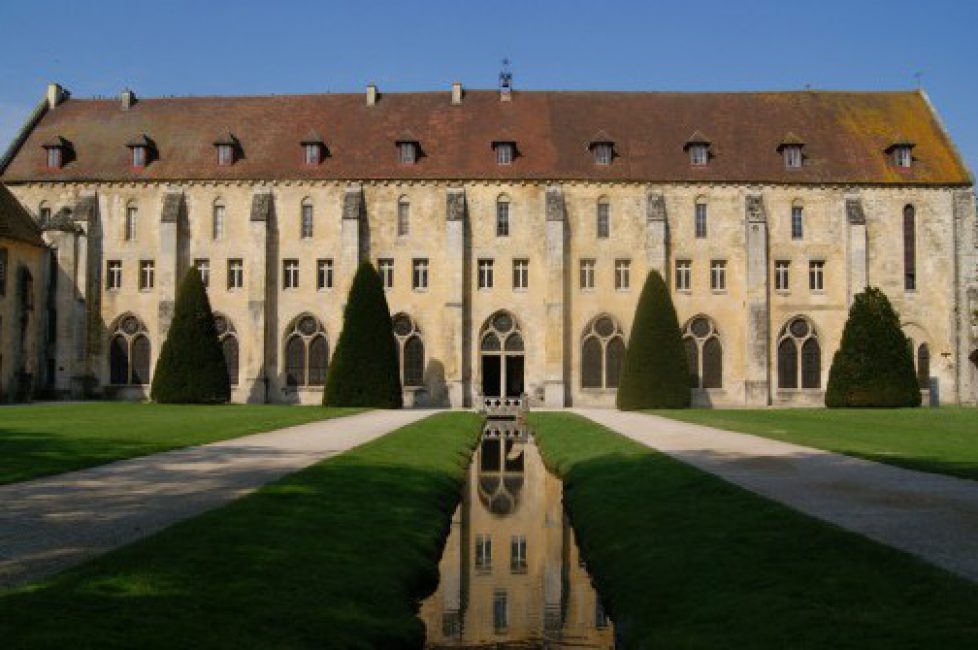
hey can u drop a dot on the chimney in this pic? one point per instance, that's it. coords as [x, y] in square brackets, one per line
[371, 94]
[456, 93]
[56, 95]
[127, 98]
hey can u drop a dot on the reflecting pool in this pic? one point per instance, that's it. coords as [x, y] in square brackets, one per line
[511, 575]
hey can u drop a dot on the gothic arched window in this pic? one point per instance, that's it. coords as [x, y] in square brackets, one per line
[909, 248]
[306, 352]
[410, 350]
[799, 355]
[704, 353]
[229, 345]
[129, 352]
[602, 353]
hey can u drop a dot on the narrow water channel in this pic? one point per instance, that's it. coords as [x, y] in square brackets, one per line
[511, 575]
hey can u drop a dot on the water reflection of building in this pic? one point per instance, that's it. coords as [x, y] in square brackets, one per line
[511, 572]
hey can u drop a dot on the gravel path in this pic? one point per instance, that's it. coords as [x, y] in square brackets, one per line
[931, 516]
[50, 524]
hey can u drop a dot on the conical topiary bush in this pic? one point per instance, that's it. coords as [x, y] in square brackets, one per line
[191, 368]
[655, 373]
[874, 364]
[364, 369]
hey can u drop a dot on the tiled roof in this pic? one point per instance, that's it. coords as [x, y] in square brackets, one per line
[845, 133]
[15, 222]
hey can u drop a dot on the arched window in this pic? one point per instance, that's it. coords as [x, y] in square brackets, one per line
[229, 345]
[44, 212]
[306, 352]
[909, 248]
[410, 349]
[923, 366]
[305, 227]
[502, 356]
[129, 352]
[217, 219]
[132, 213]
[602, 352]
[699, 217]
[403, 217]
[604, 218]
[502, 216]
[799, 355]
[703, 352]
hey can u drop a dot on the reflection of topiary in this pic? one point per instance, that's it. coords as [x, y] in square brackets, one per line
[874, 364]
[655, 373]
[364, 369]
[191, 368]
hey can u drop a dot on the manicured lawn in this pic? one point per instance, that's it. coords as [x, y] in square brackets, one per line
[50, 439]
[335, 556]
[685, 560]
[943, 440]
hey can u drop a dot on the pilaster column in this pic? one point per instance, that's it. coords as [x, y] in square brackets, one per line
[86, 214]
[857, 262]
[168, 260]
[966, 297]
[453, 318]
[657, 234]
[352, 241]
[261, 271]
[757, 384]
[555, 357]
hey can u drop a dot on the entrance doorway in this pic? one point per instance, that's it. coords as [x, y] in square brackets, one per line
[502, 356]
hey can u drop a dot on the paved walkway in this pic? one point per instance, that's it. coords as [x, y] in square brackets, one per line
[50, 524]
[931, 516]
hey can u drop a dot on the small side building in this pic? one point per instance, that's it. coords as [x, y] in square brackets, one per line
[22, 257]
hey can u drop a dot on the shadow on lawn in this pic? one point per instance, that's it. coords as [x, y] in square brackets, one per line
[336, 556]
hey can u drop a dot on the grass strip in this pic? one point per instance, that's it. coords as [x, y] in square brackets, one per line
[39, 440]
[335, 556]
[683, 559]
[943, 440]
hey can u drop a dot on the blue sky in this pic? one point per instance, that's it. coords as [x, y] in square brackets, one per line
[195, 48]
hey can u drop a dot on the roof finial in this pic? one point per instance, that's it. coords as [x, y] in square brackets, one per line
[505, 81]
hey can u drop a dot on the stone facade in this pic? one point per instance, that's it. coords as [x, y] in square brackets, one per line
[555, 274]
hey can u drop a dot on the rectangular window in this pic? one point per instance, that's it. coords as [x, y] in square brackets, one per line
[218, 225]
[306, 228]
[587, 274]
[517, 554]
[521, 274]
[603, 152]
[113, 275]
[131, 213]
[403, 218]
[700, 220]
[235, 273]
[816, 275]
[407, 153]
[419, 275]
[903, 157]
[781, 275]
[504, 153]
[147, 275]
[385, 267]
[324, 274]
[909, 248]
[225, 154]
[792, 157]
[483, 552]
[502, 219]
[290, 274]
[203, 267]
[684, 275]
[699, 155]
[718, 275]
[312, 153]
[623, 270]
[797, 222]
[139, 157]
[485, 274]
[604, 219]
[54, 157]
[500, 611]
[44, 215]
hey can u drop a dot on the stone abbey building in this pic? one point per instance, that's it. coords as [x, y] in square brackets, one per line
[513, 230]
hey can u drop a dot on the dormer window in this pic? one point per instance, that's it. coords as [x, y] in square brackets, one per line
[603, 152]
[902, 153]
[790, 149]
[407, 152]
[140, 150]
[698, 148]
[56, 150]
[313, 148]
[227, 149]
[505, 152]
